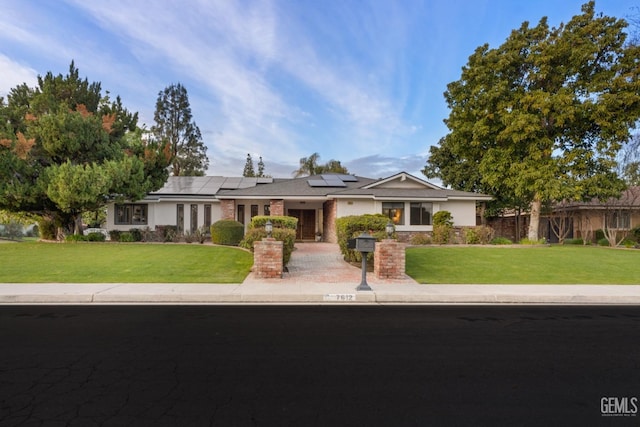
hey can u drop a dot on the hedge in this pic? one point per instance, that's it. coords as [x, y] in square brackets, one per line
[289, 222]
[227, 232]
[348, 227]
[284, 235]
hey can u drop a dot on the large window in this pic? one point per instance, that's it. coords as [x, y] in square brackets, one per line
[395, 212]
[619, 219]
[194, 218]
[254, 210]
[180, 218]
[207, 216]
[421, 213]
[241, 214]
[131, 214]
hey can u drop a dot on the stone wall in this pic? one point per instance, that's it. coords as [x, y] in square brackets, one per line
[267, 259]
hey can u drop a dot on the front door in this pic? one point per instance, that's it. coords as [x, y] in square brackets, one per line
[306, 223]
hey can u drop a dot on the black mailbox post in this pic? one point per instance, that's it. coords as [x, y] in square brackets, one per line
[364, 243]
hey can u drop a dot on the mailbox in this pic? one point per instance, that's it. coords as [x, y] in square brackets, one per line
[365, 243]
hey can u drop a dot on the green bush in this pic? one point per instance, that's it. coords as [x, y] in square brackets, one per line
[284, 235]
[167, 233]
[634, 234]
[72, 238]
[136, 234]
[47, 229]
[501, 241]
[227, 232]
[480, 234]
[126, 236]
[349, 227]
[95, 237]
[628, 243]
[603, 242]
[421, 239]
[573, 242]
[527, 241]
[289, 222]
[599, 235]
[13, 230]
[114, 235]
[443, 218]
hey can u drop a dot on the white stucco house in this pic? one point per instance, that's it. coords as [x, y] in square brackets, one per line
[193, 202]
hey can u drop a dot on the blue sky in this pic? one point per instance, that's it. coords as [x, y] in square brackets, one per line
[356, 81]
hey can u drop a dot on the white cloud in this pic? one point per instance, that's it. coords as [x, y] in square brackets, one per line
[14, 74]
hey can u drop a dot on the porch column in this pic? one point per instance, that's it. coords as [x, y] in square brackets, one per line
[276, 207]
[267, 258]
[228, 209]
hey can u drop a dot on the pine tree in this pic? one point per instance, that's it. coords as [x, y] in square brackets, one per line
[248, 167]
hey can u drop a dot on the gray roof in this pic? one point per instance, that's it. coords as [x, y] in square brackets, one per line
[309, 187]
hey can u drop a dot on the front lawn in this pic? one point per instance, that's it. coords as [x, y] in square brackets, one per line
[33, 262]
[523, 265]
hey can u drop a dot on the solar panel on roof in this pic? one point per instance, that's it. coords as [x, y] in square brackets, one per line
[317, 182]
[348, 178]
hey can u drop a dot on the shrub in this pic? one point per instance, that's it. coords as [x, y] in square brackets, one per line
[167, 233]
[126, 236]
[352, 226]
[573, 242]
[477, 235]
[634, 234]
[72, 238]
[603, 242]
[628, 243]
[421, 239]
[13, 230]
[136, 234]
[501, 241]
[47, 229]
[284, 235]
[289, 222]
[599, 235]
[227, 232]
[95, 237]
[189, 237]
[114, 235]
[443, 218]
[34, 232]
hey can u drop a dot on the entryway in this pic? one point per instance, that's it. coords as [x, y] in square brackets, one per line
[306, 223]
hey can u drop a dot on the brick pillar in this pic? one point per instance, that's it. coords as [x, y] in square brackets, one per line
[228, 209]
[389, 260]
[329, 211]
[267, 259]
[276, 207]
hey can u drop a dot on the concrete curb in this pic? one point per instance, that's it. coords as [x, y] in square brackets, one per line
[334, 293]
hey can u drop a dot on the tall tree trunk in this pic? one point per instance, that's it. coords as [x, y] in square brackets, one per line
[534, 219]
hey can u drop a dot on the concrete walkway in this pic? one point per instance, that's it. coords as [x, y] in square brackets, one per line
[317, 275]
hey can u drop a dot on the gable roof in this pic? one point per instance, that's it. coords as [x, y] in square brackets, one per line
[402, 177]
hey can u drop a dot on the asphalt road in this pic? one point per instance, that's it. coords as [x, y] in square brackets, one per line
[319, 365]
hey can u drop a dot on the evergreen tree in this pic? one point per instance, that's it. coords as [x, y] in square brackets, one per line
[260, 168]
[248, 167]
[65, 149]
[174, 125]
[543, 116]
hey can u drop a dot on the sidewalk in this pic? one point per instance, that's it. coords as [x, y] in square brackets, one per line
[317, 275]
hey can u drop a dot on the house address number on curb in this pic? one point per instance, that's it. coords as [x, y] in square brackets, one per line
[340, 297]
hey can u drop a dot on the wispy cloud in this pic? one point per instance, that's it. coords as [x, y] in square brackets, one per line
[14, 74]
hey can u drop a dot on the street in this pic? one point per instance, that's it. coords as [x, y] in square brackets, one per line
[319, 365]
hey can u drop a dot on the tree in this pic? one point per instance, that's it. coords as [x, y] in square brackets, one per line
[261, 169]
[309, 166]
[248, 167]
[65, 149]
[174, 125]
[543, 116]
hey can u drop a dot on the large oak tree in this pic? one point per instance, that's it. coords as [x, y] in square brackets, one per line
[66, 149]
[543, 116]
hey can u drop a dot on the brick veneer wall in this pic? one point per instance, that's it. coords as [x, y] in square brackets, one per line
[267, 259]
[389, 260]
[276, 207]
[329, 213]
[228, 209]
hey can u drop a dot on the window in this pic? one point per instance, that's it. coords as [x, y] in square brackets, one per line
[180, 218]
[131, 214]
[254, 210]
[395, 212]
[207, 216]
[420, 213]
[194, 218]
[619, 219]
[267, 210]
[241, 214]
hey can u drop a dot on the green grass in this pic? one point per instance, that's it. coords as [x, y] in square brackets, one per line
[33, 262]
[523, 265]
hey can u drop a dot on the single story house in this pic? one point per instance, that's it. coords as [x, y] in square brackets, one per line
[193, 202]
